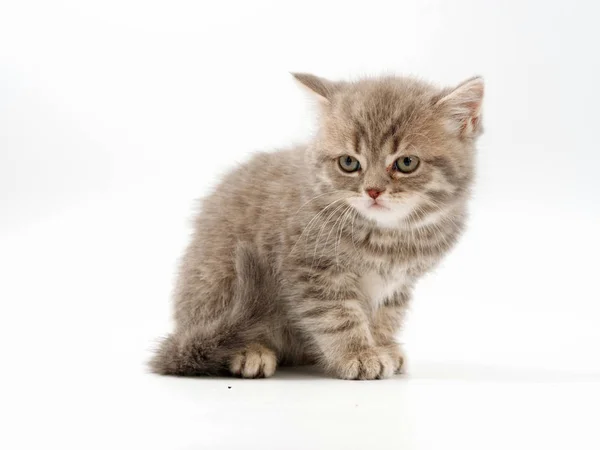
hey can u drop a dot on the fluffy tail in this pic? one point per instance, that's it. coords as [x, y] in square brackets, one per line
[208, 350]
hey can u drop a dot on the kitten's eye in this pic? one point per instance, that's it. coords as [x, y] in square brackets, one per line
[407, 164]
[349, 163]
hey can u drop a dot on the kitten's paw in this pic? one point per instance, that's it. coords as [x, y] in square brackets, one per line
[397, 354]
[255, 361]
[368, 364]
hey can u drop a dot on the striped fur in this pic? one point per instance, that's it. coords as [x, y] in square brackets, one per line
[288, 252]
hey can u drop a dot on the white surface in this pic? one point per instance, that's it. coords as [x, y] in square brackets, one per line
[115, 115]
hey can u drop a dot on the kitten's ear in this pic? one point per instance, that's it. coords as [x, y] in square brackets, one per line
[462, 107]
[323, 88]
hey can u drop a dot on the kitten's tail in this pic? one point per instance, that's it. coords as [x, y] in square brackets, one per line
[209, 350]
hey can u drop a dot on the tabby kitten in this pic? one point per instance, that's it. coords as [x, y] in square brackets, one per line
[309, 255]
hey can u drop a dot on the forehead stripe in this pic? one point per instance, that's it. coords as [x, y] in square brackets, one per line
[391, 133]
[360, 135]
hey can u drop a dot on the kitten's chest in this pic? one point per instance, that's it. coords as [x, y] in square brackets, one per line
[378, 286]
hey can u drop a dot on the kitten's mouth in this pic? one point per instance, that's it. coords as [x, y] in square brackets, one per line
[375, 205]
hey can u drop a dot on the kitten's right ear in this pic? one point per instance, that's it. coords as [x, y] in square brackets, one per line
[323, 88]
[462, 107]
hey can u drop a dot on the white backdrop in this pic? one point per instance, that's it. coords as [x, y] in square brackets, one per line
[116, 115]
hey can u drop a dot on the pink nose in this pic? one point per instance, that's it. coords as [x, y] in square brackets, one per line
[374, 193]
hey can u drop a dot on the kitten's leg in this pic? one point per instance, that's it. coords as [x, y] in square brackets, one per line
[255, 313]
[217, 334]
[328, 307]
[386, 322]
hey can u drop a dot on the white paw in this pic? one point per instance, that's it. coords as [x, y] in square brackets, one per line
[397, 355]
[256, 361]
[369, 364]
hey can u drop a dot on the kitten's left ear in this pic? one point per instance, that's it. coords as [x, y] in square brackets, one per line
[324, 89]
[462, 107]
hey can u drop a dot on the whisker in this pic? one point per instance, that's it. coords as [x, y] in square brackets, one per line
[321, 232]
[313, 199]
[312, 222]
[330, 231]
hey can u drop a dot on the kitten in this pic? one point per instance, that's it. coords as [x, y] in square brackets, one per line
[309, 255]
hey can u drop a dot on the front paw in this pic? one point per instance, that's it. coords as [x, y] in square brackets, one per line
[367, 364]
[397, 355]
[255, 361]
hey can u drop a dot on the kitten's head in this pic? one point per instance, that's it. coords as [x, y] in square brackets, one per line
[401, 150]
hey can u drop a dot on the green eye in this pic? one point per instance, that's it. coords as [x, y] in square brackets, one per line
[407, 164]
[349, 163]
